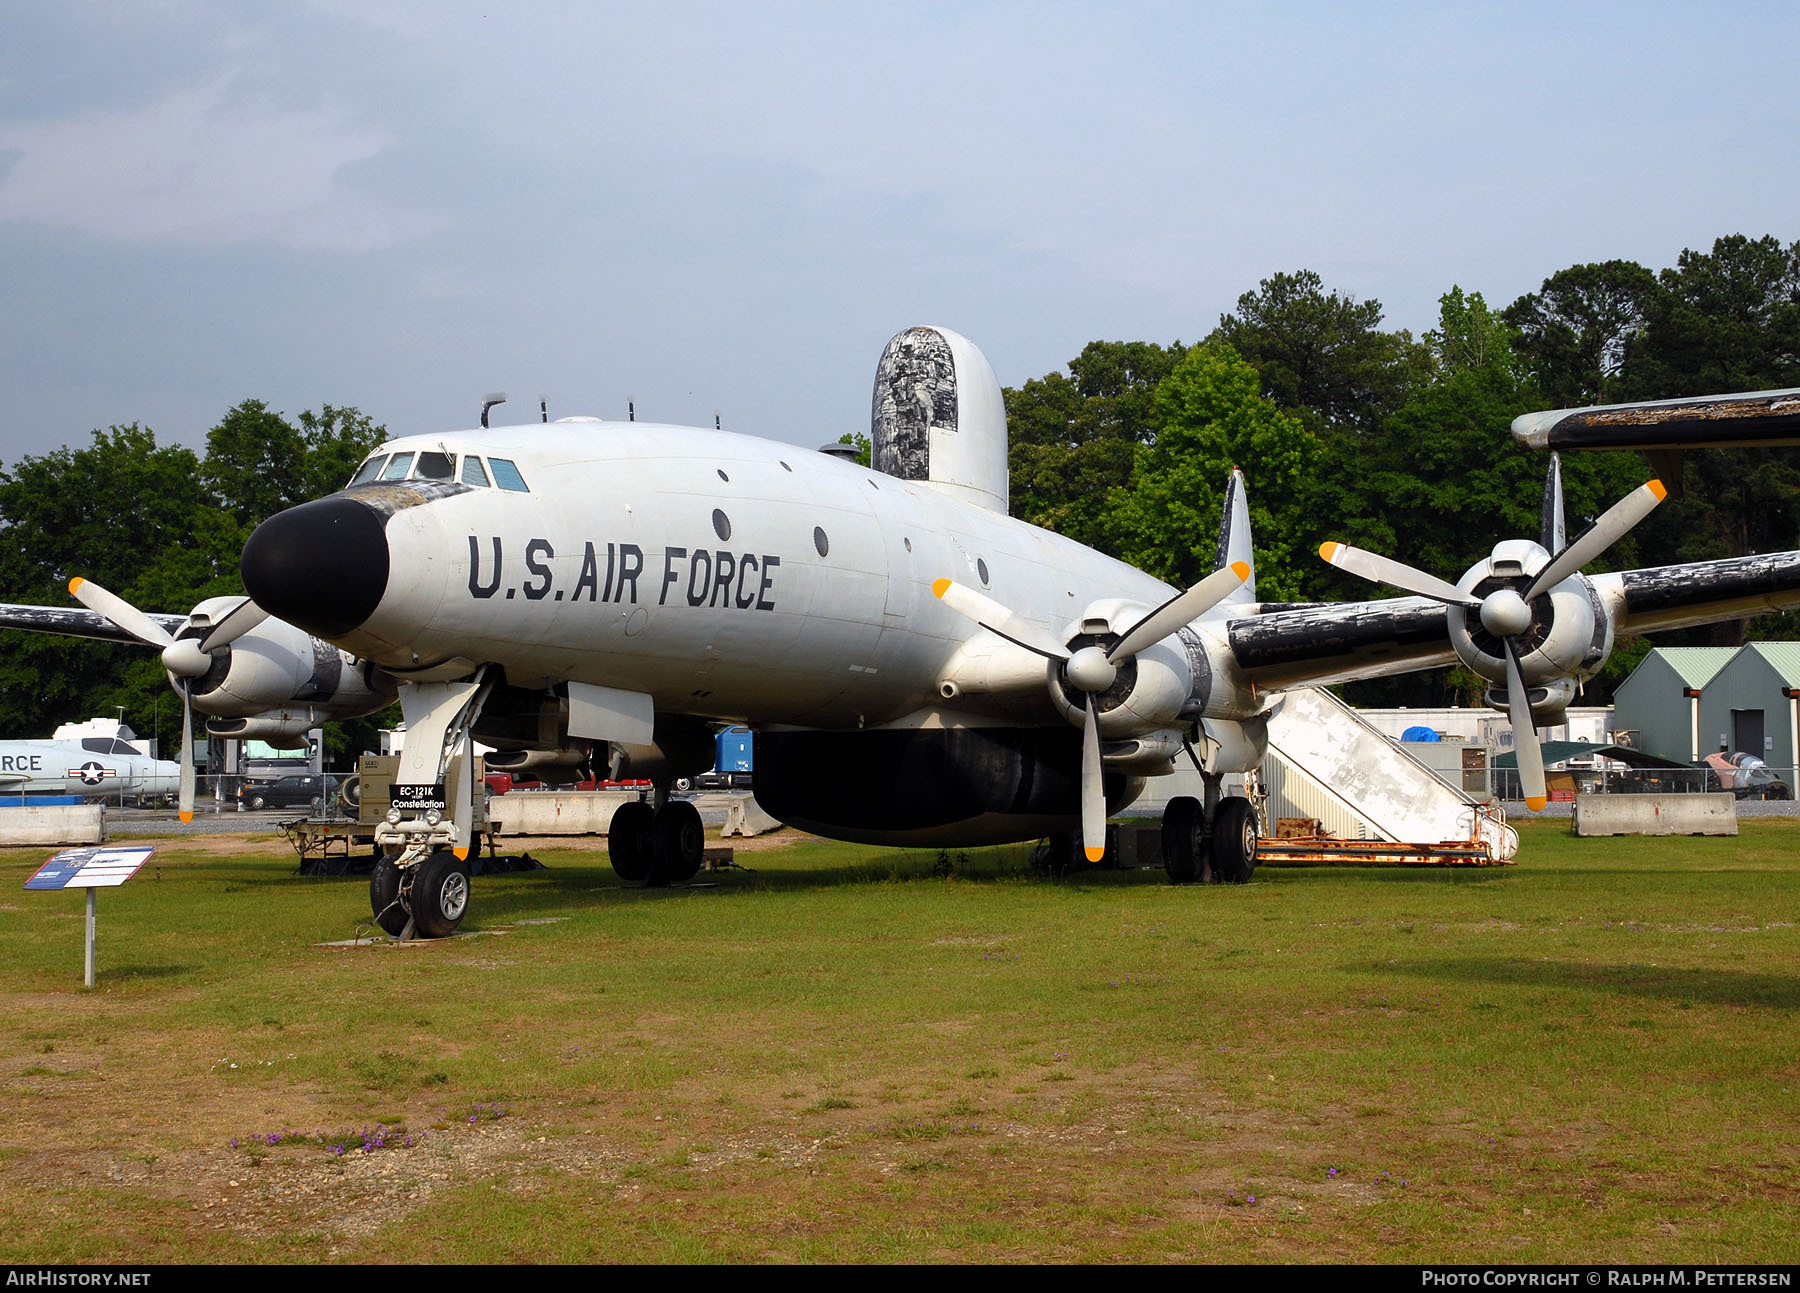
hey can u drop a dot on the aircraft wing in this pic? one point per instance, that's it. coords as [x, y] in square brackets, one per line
[1313, 645]
[1700, 592]
[76, 622]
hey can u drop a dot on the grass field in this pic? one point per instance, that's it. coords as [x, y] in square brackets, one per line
[841, 1055]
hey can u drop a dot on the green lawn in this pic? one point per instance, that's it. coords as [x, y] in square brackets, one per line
[843, 1055]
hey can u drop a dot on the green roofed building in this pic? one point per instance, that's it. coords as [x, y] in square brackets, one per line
[1660, 701]
[1749, 705]
[1688, 702]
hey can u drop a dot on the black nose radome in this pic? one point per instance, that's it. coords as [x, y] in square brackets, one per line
[322, 566]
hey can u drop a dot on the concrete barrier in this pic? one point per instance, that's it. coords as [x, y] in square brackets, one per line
[1655, 815]
[62, 824]
[744, 816]
[557, 812]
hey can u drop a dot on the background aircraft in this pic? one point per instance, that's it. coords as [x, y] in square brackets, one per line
[93, 766]
[920, 668]
[252, 677]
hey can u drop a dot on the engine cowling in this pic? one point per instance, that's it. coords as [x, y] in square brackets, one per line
[1565, 638]
[1151, 690]
[276, 666]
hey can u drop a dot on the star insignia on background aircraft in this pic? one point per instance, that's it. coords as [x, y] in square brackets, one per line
[91, 773]
[920, 669]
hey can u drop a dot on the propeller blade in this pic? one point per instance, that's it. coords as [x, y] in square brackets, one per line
[119, 611]
[1093, 790]
[1183, 608]
[1613, 525]
[1385, 570]
[1525, 740]
[995, 618]
[243, 617]
[186, 801]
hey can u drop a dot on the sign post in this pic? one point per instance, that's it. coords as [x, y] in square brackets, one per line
[91, 869]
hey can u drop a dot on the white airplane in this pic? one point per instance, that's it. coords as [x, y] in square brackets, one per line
[920, 669]
[95, 765]
[254, 678]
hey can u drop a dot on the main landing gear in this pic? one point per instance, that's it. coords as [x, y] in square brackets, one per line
[1220, 852]
[656, 846]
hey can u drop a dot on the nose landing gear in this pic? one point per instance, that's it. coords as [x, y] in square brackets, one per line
[430, 896]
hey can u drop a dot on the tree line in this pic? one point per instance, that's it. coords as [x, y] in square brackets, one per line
[1401, 444]
[163, 527]
[1344, 430]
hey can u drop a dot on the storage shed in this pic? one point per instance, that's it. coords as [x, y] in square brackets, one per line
[1750, 705]
[1661, 700]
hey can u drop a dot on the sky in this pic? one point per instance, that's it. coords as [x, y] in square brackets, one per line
[729, 208]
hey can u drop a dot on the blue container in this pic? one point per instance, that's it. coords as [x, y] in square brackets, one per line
[734, 753]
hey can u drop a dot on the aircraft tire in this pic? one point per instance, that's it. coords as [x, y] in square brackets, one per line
[439, 894]
[678, 842]
[628, 841]
[1183, 839]
[384, 894]
[1234, 837]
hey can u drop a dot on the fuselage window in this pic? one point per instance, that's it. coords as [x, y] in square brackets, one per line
[435, 466]
[369, 470]
[506, 476]
[397, 467]
[473, 473]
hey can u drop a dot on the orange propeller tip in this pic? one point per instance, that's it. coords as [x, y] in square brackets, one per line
[186, 817]
[76, 583]
[939, 587]
[1656, 487]
[1241, 569]
[1536, 805]
[1094, 855]
[1329, 550]
[462, 855]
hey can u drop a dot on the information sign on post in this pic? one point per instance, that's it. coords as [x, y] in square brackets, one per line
[91, 869]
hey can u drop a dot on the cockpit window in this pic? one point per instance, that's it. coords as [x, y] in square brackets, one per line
[472, 472]
[507, 476]
[435, 466]
[369, 470]
[397, 467]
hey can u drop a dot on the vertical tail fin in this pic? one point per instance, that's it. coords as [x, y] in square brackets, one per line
[1554, 535]
[1234, 537]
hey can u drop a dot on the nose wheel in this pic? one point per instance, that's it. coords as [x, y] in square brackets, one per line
[433, 896]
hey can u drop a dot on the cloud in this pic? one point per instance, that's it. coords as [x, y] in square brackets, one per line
[201, 166]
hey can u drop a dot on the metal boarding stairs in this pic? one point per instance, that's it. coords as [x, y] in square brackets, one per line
[1322, 753]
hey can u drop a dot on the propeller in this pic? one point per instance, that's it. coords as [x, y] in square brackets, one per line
[1506, 612]
[186, 656]
[1092, 669]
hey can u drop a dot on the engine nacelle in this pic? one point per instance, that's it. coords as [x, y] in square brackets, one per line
[1567, 639]
[281, 728]
[1151, 690]
[1548, 699]
[276, 666]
